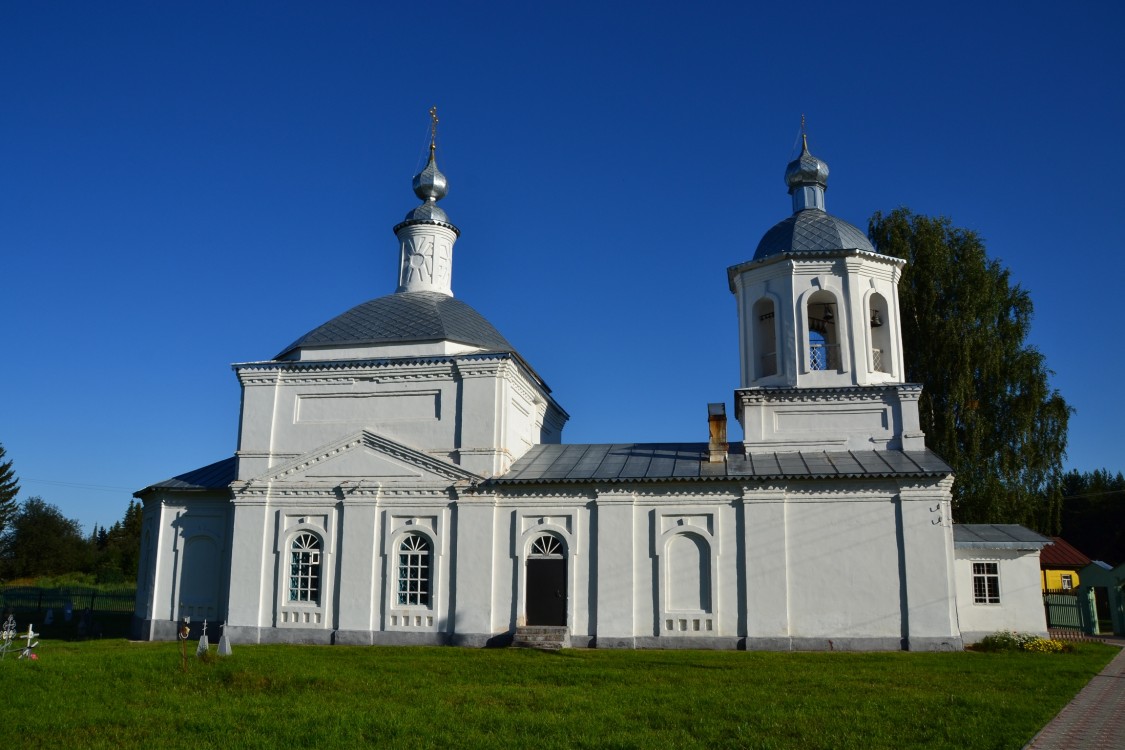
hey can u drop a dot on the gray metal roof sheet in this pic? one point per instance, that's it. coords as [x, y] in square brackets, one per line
[214, 476]
[809, 231]
[996, 536]
[405, 317]
[594, 463]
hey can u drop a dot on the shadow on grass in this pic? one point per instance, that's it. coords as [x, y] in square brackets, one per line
[100, 625]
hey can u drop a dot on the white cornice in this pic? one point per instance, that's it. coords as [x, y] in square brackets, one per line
[794, 394]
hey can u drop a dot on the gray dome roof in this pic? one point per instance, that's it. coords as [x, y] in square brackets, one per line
[427, 212]
[811, 231]
[405, 317]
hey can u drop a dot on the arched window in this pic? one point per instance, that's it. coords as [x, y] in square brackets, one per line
[414, 571]
[304, 569]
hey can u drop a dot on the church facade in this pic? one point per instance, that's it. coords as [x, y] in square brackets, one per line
[400, 478]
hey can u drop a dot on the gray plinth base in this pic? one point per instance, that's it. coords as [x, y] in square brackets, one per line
[408, 638]
[480, 640]
[352, 638]
[952, 643]
[157, 630]
[309, 636]
[852, 644]
[703, 643]
[611, 641]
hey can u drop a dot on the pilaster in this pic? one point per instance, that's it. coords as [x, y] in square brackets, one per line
[765, 540]
[614, 576]
[473, 569]
[926, 565]
[358, 592]
[249, 605]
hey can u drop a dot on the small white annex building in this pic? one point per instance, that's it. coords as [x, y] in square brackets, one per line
[400, 478]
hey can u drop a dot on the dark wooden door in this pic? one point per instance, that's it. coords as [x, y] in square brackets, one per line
[546, 592]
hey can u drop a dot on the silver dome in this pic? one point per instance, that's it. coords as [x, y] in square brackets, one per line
[806, 169]
[427, 212]
[430, 184]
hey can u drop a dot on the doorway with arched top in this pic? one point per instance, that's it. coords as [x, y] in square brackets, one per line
[545, 593]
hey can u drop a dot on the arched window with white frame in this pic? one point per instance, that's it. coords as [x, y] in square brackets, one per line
[414, 571]
[304, 568]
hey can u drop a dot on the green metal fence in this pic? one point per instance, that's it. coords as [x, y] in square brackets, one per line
[34, 599]
[1069, 609]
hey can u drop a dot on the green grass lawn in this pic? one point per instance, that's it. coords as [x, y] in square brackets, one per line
[118, 694]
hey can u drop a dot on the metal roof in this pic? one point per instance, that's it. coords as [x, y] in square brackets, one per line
[214, 476]
[809, 231]
[406, 317]
[996, 536]
[622, 462]
[1063, 553]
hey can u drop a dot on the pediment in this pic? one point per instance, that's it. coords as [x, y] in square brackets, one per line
[366, 455]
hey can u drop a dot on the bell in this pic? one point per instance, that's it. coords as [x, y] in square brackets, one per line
[828, 313]
[876, 321]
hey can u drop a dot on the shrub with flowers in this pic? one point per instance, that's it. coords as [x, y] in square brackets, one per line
[1006, 640]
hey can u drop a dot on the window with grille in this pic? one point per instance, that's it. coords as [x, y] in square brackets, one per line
[986, 583]
[414, 571]
[304, 569]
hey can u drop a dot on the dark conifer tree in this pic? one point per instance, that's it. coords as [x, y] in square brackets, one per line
[9, 489]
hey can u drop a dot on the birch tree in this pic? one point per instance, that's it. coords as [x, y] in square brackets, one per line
[987, 406]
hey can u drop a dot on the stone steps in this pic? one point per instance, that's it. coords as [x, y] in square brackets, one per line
[542, 637]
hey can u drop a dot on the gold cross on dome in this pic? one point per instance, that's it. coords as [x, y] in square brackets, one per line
[433, 125]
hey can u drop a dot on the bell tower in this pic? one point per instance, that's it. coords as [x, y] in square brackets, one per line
[819, 332]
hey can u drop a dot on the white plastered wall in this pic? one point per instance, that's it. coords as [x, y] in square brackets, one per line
[1021, 595]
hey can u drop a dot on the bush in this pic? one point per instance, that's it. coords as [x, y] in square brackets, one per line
[1005, 640]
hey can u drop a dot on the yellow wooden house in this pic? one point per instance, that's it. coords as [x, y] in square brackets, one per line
[1059, 564]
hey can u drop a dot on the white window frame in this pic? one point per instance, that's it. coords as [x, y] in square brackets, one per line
[414, 565]
[306, 579]
[1066, 581]
[986, 582]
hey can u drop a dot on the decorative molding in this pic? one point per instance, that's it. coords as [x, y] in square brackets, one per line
[248, 369]
[277, 476]
[413, 222]
[853, 393]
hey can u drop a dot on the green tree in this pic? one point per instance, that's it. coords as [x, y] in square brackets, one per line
[9, 488]
[987, 406]
[41, 541]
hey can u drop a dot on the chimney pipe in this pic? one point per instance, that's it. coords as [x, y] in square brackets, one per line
[717, 422]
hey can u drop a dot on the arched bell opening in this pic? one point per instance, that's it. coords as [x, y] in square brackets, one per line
[823, 314]
[878, 323]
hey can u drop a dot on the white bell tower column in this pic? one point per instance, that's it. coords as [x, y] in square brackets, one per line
[426, 237]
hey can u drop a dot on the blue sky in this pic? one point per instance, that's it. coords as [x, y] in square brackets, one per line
[188, 185]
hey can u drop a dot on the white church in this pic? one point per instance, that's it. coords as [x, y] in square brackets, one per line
[401, 478]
